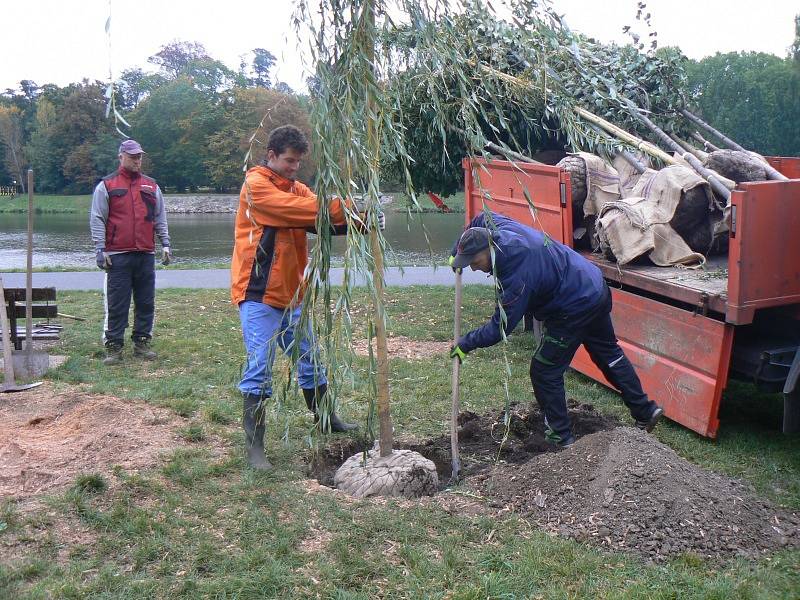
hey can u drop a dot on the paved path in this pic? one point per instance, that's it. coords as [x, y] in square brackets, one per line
[220, 278]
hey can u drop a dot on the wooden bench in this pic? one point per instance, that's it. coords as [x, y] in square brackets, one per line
[43, 307]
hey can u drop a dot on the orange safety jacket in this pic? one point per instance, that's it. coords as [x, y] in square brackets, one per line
[270, 250]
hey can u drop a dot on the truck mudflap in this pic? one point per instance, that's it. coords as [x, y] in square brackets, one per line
[791, 398]
[682, 358]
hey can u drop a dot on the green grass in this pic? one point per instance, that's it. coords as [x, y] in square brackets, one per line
[202, 525]
[47, 204]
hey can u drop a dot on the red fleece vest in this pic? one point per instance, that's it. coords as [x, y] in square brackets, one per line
[131, 212]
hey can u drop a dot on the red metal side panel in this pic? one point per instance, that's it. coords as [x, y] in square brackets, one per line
[501, 186]
[681, 358]
[764, 254]
[788, 165]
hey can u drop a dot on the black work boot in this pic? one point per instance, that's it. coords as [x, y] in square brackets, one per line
[254, 428]
[649, 424]
[142, 349]
[313, 398]
[113, 354]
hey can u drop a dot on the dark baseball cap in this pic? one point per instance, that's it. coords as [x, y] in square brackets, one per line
[473, 241]
[130, 147]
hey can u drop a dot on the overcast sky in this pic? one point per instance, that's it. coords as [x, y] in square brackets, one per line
[63, 41]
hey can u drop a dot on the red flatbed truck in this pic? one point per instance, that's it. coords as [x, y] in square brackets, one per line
[686, 331]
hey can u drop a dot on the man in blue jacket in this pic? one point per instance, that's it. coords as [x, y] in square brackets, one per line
[569, 295]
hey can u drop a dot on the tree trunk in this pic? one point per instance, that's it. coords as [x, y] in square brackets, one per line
[384, 414]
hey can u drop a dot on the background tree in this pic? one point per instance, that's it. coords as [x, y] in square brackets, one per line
[173, 58]
[11, 138]
[752, 97]
[66, 134]
[173, 125]
[263, 62]
[134, 86]
[243, 108]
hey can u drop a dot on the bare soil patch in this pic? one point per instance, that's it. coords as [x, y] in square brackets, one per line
[48, 437]
[617, 488]
[403, 347]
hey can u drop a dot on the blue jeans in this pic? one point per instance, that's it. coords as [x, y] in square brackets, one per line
[265, 327]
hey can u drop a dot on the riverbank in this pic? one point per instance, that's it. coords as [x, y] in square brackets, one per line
[202, 204]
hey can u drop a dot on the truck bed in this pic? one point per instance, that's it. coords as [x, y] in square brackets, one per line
[705, 288]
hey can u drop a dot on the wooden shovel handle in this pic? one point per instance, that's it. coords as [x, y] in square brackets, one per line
[456, 364]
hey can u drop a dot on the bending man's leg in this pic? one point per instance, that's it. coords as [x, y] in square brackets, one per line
[548, 365]
[604, 349]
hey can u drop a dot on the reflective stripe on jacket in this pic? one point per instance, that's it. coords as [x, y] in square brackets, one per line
[270, 250]
[131, 212]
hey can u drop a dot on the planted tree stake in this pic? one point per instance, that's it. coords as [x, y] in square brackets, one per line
[772, 173]
[456, 461]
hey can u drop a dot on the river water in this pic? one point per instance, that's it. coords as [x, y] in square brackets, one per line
[63, 240]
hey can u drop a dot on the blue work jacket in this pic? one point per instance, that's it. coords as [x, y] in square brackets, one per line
[535, 274]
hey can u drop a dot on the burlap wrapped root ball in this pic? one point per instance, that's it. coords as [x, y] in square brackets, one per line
[737, 165]
[403, 473]
[693, 220]
[576, 167]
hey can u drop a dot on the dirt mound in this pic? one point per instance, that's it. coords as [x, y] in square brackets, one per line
[403, 347]
[617, 487]
[482, 440]
[623, 490]
[48, 438]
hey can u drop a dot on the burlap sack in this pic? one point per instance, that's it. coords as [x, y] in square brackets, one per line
[628, 175]
[640, 224]
[602, 183]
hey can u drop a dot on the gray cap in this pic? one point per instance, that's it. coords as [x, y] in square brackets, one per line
[473, 241]
[130, 147]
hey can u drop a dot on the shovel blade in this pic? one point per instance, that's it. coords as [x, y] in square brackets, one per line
[30, 365]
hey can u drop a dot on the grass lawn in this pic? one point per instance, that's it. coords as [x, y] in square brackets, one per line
[47, 204]
[202, 525]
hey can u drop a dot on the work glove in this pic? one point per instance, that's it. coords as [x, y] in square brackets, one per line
[103, 259]
[361, 209]
[450, 262]
[365, 225]
[166, 256]
[457, 352]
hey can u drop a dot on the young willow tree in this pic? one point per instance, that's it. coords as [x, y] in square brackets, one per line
[412, 86]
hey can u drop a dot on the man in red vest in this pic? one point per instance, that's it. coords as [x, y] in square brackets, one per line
[127, 213]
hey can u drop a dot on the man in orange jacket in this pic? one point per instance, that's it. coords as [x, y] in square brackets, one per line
[269, 259]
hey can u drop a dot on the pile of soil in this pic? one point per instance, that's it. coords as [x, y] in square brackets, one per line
[617, 487]
[482, 440]
[624, 490]
[48, 438]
